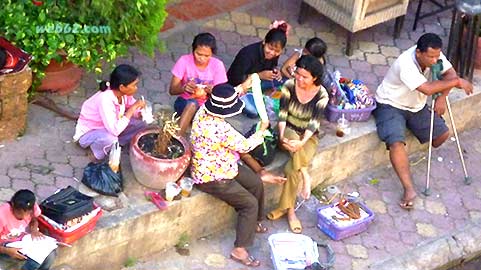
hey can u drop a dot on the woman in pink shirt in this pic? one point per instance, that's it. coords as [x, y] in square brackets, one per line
[17, 218]
[193, 77]
[111, 114]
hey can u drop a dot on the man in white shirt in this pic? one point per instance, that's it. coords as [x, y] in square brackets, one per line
[401, 99]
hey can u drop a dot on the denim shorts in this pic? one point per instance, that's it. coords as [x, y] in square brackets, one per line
[392, 122]
[180, 104]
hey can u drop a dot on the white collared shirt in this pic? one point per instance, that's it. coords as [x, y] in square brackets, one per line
[399, 86]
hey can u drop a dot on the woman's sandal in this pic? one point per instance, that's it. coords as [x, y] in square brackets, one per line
[249, 261]
[276, 214]
[406, 204]
[295, 225]
[261, 228]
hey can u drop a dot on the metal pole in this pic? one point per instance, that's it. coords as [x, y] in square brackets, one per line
[467, 179]
[427, 190]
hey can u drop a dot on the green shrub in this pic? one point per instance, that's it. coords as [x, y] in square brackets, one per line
[58, 29]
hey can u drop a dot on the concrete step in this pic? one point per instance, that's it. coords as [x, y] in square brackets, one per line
[139, 229]
[439, 232]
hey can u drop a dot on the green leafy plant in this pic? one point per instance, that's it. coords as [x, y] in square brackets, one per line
[168, 128]
[182, 246]
[374, 181]
[183, 241]
[87, 33]
[131, 261]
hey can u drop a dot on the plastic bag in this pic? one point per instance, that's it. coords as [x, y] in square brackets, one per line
[266, 152]
[114, 156]
[258, 97]
[100, 178]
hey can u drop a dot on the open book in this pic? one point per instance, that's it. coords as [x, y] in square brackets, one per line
[37, 249]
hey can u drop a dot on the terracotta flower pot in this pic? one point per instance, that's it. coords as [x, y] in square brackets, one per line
[61, 78]
[156, 172]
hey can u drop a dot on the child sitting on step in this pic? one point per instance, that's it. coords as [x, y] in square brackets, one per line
[18, 217]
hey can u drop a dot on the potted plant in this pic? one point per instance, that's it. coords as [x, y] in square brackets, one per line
[158, 155]
[85, 33]
[182, 246]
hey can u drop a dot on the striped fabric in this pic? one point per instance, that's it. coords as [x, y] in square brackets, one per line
[301, 117]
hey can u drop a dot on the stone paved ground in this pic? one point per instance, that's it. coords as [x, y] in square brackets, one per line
[45, 159]
[394, 231]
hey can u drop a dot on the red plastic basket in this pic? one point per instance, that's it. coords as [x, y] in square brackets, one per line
[332, 113]
[68, 237]
[337, 233]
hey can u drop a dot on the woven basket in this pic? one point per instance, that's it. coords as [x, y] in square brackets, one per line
[332, 113]
[356, 15]
[13, 102]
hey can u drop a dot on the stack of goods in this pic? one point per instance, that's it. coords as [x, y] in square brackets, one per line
[350, 97]
[292, 251]
[344, 219]
[68, 215]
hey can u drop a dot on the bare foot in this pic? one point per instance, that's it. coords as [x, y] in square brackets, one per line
[239, 252]
[407, 201]
[92, 157]
[240, 255]
[306, 187]
[268, 177]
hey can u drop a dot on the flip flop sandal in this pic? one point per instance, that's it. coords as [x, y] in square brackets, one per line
[407, 204]
[295, 226]
[249, 261]
[156, 199]
[276, 214]
[261, 228]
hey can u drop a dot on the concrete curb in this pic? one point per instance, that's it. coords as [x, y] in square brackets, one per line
[142, 230]
[441, 253]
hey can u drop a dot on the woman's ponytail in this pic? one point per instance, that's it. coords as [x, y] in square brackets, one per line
[104, 85]
[278, 33]
[122, 75]
[283, 27]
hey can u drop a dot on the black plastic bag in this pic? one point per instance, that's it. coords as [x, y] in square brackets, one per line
[100, 178]
[66, 204]
[266, 152]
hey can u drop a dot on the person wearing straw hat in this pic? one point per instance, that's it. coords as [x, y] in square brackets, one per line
[216, 146]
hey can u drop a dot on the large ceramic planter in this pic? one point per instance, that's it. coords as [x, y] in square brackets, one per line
[155, 172]
[61, 78]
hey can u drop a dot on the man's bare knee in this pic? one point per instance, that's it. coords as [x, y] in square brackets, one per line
[396, 145]
[440, 139]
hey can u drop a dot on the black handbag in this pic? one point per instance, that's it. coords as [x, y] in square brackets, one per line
[100, 178]
[266, 152]
[66, 204]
